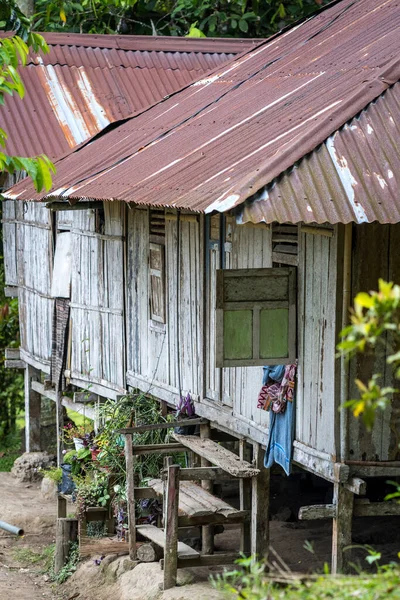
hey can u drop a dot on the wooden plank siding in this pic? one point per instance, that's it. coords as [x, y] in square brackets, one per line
[375, 255]
[316, 398]
[34, 266]
[153, 347]
[97, 298]
[10, 242]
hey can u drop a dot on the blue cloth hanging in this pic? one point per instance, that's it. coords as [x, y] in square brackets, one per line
[274, 372]
[280, 440]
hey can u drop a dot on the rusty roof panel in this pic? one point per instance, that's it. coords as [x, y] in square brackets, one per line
[78, 88]
[353, 176]
[223, 138]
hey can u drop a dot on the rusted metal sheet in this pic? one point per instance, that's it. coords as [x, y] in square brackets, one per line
[219, 141]
[353, 176]
[87, 82]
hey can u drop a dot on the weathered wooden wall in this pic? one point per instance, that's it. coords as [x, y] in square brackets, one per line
[152, 348]
[375, 255]
[97, 299]
[317, 417]
[34, 267]
[236, 389]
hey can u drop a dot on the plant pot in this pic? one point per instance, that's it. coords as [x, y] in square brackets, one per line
[66, 486]
[78, 443]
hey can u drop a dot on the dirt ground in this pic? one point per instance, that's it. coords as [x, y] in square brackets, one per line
[22, 504]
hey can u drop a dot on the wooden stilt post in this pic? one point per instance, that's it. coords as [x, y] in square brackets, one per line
[171, 527]
[61, 507]
[245, 499]
[207, 531]
[59, 426]
[66, 533]
[342, 527]
[32, 411]
[260, 506]
[130, 484]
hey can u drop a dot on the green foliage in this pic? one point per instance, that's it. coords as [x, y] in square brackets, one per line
[96, 529]
[227, 18]
[14, 52]
[44, 558]
[250, 582]
[54, 474]
[375, 326]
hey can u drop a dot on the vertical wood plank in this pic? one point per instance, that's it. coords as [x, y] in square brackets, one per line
[171, 528]
[207, 531]
[260, 506]
[245, 486]
[32, 411]
[130, 484]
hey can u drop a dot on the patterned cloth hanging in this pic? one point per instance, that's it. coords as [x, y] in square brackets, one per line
[275, 395]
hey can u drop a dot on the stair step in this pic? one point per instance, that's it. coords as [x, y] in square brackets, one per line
[218, 455]
[156, 535]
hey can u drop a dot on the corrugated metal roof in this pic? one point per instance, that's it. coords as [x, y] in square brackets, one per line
[216, 143]
[353, 176]
[88, 81]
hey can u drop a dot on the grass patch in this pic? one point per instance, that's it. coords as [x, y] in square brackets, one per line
[44, 558]
[10, 449]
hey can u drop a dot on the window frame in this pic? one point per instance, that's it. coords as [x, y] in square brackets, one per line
[256, 306]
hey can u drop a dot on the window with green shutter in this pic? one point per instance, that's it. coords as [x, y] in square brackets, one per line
[255, 317]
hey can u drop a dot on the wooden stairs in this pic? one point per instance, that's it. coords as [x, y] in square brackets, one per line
[188, 499]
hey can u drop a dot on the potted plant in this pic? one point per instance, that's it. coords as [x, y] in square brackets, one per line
[185, 410]
[80, 436]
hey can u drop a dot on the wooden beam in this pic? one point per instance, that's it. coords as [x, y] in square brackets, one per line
[245, 488]
[82, 397]
[14, 364]
[317, 511]
[376, 509]
[62, 206]
[370, 471]
[342, 528]
[157, 448]
[66, 533]
[169, 425]
[207, 560]
[207, 531]
[171, 527]
[12, 353]
[236, 517]
[32, 410]
[320, 464]
[11, 291]
[357, 486]
[260, 506]
[130, 493]
[202, 474]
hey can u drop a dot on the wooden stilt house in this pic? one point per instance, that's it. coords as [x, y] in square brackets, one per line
[239, 218]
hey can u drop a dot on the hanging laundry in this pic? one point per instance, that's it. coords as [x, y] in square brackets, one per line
[277, 396]
[278, 388]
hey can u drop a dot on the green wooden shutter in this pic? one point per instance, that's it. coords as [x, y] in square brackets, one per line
[255, 317]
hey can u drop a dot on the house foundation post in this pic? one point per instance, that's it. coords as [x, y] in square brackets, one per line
[343, 500]
[207, 531]
[32, 411]
[260, 506]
